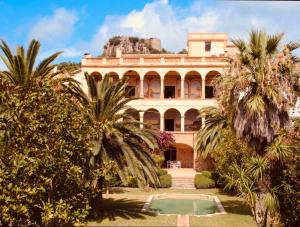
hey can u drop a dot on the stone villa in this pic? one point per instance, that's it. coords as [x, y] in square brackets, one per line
[173, 87]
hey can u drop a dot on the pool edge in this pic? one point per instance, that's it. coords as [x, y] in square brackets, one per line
[214, 198]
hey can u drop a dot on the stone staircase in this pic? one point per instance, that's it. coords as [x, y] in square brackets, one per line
[183, 182]
[182, 178]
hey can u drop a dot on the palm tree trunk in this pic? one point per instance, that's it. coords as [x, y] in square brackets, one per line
[261, 212]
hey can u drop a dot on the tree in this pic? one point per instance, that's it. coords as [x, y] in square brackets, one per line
[44, 157]
[258, 94]
[20, 67]
[68, 67]
[123, 142]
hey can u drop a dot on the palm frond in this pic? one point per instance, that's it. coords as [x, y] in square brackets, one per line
[208, 137]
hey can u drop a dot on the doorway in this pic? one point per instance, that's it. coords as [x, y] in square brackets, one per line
[170, 155]
[169, 92]
[209, 91]
[169, 124]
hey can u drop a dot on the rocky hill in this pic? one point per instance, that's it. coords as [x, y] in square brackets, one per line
[132, 45]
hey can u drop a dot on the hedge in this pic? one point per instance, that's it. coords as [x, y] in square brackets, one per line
[202, 181]
[165, 181]
[161, 172]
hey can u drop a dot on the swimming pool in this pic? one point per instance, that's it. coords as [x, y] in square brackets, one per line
[184, 204]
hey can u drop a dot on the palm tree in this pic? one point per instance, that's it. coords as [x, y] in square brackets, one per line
[20, 67]
[258, 94]
[23, 72]
[210, 135]
[118, 140]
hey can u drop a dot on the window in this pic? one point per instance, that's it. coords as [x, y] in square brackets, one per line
[207, 46]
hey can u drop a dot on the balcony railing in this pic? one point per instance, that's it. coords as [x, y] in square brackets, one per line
[159, 60]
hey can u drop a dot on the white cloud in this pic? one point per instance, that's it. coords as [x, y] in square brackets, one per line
[171, 24]
[58, 26]
[157, 19]
[71, 53]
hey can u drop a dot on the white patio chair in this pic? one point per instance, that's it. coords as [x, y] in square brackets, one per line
[169, 164]
[178, 164]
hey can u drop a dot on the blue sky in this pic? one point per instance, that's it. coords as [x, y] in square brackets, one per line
[79, 26]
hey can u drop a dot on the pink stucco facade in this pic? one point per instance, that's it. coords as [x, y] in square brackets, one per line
[173, 87]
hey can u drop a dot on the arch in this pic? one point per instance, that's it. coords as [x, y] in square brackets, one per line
[152, 85]
[191, 120]
[172, 84]
[131, 113]
[152, 117]
[192, 85]
[134, 82]
[172, 120]
[96, 75]
[115, 76]
[185, 154]
[210, 82]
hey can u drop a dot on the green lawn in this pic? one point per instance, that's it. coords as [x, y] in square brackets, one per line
[123, 208]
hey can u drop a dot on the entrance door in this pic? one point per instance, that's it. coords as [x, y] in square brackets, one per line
[169, 124]
[169, 92]
[170, 155]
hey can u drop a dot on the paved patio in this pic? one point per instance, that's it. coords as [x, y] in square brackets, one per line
[182, 173]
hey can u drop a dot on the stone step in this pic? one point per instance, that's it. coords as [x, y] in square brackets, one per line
[183, 179]
[183, 182]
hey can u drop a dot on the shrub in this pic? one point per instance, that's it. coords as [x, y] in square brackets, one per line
[161, 172]
[165, 181]
[207, 173]
[45, 178]
[202, 181]
[158, 159]
[132, 182]
[115, 41]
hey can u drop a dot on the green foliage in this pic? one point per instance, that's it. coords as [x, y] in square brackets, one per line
[68, 67]
[210, 135]
[134, 40]
[116, 40]
[158, 159]
[61, 212]
[203, 181]
[165, 181]
[207, 173]
[161, 172]
[123, 142]
[44, 171]
[45, 157]
[288, 177]
[132, 182]
[183, 51]
[254, 98]
[228, 151]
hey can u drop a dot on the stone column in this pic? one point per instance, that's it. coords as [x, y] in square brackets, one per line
[161, 88]
[203, 89]
[162, 123]
[141, 119]
[202, 122]
[182, 124]
[141, 88]
[182, 89]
